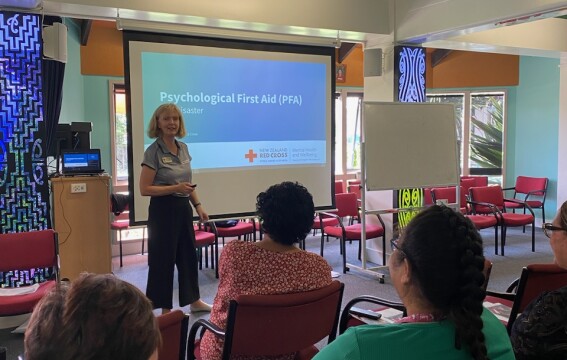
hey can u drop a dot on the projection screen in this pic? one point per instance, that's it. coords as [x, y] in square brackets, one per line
[256, 114]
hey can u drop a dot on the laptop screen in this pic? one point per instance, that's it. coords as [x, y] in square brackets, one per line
[81, 162]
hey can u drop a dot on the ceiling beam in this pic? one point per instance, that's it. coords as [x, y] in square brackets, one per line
[438, 55]
[345, 49]
[85, 31]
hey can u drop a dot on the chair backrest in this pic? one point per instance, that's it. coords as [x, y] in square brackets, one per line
[271, 325]
[427, 197]
[173, 328]
[339, 187]
[478, 180]
[445, 193]
[535, 279]
[354, 187]
[487, 194]
[347, 204]
[119, 203]
[526, 184]
[29, 250]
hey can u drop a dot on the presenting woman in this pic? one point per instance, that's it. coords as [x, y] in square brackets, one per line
[166, 177]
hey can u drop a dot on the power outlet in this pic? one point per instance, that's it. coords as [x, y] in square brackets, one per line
[78, 188]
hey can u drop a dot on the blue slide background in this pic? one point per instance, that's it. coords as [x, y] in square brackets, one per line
[239, 122]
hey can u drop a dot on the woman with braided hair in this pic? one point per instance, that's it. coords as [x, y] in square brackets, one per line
[436, 268]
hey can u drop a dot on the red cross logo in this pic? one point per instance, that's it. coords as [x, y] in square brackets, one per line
[251, 155]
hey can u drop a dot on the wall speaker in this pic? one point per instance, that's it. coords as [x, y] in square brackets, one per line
[55, 42]
[372, 62]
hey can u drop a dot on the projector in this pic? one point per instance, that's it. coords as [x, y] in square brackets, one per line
[21, 4]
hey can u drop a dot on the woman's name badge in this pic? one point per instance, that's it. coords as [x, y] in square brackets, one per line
[166, 160]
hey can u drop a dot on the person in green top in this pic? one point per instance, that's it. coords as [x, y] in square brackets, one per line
[436, 267]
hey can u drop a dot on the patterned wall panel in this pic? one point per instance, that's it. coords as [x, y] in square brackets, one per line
[409, 75]
[24, 189]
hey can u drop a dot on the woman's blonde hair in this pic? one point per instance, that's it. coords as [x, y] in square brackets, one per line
[153, 129]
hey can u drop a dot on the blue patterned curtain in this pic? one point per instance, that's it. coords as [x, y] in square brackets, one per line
[24, 195]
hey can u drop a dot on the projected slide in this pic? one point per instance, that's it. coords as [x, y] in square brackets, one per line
[241, 112]
[256, 114]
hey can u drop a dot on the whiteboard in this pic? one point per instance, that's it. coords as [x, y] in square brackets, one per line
[409, 145]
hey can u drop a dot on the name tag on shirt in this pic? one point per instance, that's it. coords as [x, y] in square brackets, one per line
[166, 160]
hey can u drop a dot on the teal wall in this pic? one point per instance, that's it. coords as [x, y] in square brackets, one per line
[86, 98]
[72, 108]
[533, 122]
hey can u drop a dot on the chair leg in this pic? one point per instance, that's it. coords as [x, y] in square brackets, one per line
[495, 239]
[503, 240]
[543, 214]
[343, 247]
[360, 249]
[207, 256]
[120, 245]
[200, 257]
[322, 241]
[384, 248]
[533, 235]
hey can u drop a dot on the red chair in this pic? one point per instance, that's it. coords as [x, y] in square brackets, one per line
[533, 191]
[339, 187]
[121, 219]
[242, 228]
[205, 236]
[347, 320]
[479, 221]
[535, 279]
[478, 180]
[490, 199]
[353, 186]
[173, 327]
[347, 207]
[25, 251]
[317, 226]
[270, 325]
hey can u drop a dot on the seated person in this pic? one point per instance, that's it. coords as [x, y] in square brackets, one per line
[436, 268]
[273, 265]
[540, 332]
[95, 317]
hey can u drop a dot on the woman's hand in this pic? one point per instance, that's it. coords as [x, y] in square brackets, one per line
[203, 216]
[184, 188]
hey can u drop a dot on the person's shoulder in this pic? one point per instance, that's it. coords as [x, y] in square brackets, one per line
[237, 245]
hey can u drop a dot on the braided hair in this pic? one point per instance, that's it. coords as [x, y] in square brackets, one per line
[445, 252]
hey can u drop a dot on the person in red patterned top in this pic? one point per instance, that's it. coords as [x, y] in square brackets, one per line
[273, 265]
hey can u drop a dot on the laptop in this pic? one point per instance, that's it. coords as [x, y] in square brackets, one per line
[81, 162]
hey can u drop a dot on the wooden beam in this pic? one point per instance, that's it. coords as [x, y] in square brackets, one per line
[438, 55]
[344, 50]
[85, 31]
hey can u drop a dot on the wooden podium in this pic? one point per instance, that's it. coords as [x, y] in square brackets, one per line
[81, 217]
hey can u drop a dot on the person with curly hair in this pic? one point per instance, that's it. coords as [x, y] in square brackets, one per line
[437, 270]
[95, 317]
[274, 265]
[540, 331]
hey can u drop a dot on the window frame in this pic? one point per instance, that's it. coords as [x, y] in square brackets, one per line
[113, 85]
[467, 107]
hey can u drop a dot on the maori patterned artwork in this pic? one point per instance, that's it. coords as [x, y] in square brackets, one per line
[410, 85]
[23, 178]
[410, 73]
[408, 198]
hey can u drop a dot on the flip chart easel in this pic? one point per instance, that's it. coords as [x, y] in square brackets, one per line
[406, 145]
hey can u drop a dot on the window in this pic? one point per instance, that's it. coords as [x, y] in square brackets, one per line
[119, 134]
[348, 115]
[480, 131]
